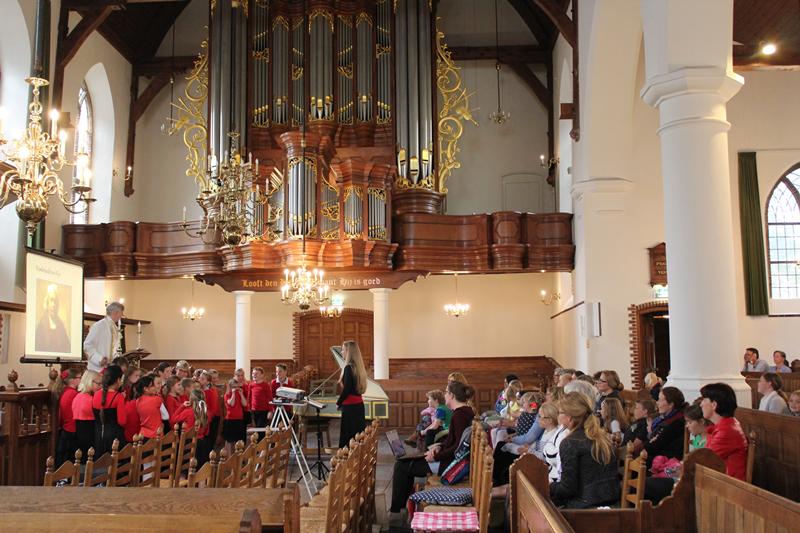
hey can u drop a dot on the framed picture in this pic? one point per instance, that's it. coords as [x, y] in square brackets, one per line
[54, 308]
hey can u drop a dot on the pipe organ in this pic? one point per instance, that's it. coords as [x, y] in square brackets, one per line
[339, 102]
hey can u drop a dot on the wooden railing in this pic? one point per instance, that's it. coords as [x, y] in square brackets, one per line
[28, 422]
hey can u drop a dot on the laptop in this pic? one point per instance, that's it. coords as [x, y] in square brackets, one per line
[399, 448]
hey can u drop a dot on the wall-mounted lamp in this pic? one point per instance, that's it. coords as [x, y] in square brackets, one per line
[548, 299]
[549, 165]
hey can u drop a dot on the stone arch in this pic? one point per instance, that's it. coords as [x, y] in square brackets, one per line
[97, 82]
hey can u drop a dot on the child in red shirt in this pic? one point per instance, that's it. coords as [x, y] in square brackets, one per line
[149, 407]
[212, 405]
[82, 411]
[67, 387]
[233, 428]
[239, 376]
[174, 401]
[259, 399]
[109, 413]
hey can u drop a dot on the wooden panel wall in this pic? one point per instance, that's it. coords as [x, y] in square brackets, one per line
[725, 504]
[314, 335]
[411, 379]
[777, 465]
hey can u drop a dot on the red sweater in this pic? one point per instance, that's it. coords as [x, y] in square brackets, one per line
[114, 400]
[246, 390]
[212, 401]
[82, 407]
[132, 423]
[726, 439]
[175, 408]
[65, 415]
[148, 409]
[259, 397]
[235, 411]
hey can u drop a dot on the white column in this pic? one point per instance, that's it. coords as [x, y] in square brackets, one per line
[380, 332]
[691, 92]
[243, 330]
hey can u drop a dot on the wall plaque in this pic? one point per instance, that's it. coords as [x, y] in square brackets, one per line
[658, 264]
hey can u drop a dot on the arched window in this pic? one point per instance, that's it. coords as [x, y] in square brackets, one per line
[83, 141]
[783, 234]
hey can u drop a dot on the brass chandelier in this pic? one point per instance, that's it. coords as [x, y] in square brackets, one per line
[304, 288]
[37, 157]
[456, 309]
[233, 201]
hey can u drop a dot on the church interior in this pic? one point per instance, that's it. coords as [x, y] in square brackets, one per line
[400, 265]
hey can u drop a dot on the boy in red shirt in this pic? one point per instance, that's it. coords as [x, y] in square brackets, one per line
[67, 443]
[259, 398]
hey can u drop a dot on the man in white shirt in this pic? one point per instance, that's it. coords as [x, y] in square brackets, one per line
[752, 363]
[103, 341]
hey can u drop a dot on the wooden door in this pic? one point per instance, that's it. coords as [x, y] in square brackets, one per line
[314, 335]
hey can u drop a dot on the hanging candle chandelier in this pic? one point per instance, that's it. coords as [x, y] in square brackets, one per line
[304, 288]
[498, 116]
[193, 312]
[456, 309]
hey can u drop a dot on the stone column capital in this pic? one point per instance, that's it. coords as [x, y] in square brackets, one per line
[691, 80]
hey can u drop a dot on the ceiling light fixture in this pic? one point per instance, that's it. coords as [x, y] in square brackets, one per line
[768, 49]
[457, 309]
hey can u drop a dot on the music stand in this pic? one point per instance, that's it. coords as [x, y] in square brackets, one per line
[322, 468]
[282, 420]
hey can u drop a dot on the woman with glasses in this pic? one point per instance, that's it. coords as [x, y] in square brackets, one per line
[589, 475]
[608, 386]
[82, 411]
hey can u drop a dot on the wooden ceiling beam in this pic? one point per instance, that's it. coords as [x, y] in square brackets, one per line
[558, 16]
[507, 54]
[543, 94]
[69, 43]
[93, 5]
[525, 10]
[157, 65]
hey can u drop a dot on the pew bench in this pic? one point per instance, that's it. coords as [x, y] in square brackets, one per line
[218, 509]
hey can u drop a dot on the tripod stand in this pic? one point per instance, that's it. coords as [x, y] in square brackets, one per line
[319, 464]
[282, 420]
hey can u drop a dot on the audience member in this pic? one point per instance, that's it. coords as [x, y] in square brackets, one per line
[725, 435]
[794, 403]
[440, 422]
[508, 447]
[566, 376]
[653, 384]
[588, 464]
[441, 454]
[644, 412]
[615, 421]
[608, 386]
[547, 447]
[666, 433]
[697, 426]
[780, 365]
[752, 363]
[584, 387]
[501, 398]
[774, 399]
[795, 365]
[434, 398]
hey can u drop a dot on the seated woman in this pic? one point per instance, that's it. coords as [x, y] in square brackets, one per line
[666, 435]
[608, 386]
[440, 455]
[774, 400]
[725, 436]
[529, 430]
[588, 464]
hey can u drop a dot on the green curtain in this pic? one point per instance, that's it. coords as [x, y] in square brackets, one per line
[755, 272]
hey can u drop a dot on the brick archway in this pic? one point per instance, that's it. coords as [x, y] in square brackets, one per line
[636, 336]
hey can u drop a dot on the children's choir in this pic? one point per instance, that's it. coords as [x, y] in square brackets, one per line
[120, 402]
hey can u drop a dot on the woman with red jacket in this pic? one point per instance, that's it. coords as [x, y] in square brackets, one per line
[68, 389]
[725, 436]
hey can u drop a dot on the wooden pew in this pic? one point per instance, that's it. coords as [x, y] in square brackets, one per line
[278, 508]
[531, 509]
[777, 460]
[248, 522]
[728, 505]
[674, 514]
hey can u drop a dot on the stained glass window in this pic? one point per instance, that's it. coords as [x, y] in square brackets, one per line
[783, 237]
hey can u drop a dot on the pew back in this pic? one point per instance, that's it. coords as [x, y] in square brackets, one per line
[777, 461]
[726, 504]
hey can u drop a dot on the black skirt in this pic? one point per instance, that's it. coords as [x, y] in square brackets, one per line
[67, 444]
[84, 437]
[106, 431]
[353, 422]
[234, 430]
